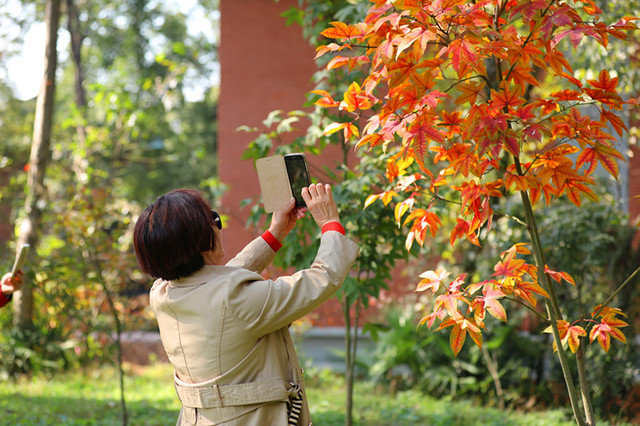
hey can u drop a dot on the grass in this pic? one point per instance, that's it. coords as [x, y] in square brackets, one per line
[91, 397]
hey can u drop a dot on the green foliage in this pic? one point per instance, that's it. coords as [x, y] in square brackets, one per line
[623, 56]
[381, 245]
[37, 351]
[139, 135]
[592, 243]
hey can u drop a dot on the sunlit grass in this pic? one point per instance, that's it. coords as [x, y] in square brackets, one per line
[375, 406]
[92, 397]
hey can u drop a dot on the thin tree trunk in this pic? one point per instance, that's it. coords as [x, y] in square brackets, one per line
[492, 366]
[93, 257]
[39, 159]
[584, 385]
[77, 37]
[553, 309]
[348, 419]
[79, 167]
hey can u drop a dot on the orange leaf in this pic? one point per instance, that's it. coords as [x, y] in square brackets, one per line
[607, 312]
[527, 287]
[372, 140]
[601, 332]
[574, 333]
[469, 92]
[615, 121]
[508, 267]
[492, 305]
[402, 208]
[341, 30]
[457, 338]
[371, 199]
[463, 56]
[355, 98]
[559, 276]
[449, 302]
[431, 280]
[333, 128]
[326, 100]
[604, 82]
[507, 97]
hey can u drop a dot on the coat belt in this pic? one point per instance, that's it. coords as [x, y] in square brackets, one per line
[210, 395]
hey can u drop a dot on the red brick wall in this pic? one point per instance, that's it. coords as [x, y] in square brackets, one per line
[265, 66]
[634, 185]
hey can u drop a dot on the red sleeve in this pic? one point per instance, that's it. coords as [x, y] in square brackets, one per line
[333, 226]
[3, 299]
[271, 240]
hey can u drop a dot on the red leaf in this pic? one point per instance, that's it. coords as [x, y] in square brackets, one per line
[507, 97]
[604, 82]
[615, 121]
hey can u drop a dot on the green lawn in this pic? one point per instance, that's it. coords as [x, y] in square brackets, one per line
[92, 398]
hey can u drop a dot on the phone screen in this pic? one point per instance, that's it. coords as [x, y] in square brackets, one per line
[298, 176]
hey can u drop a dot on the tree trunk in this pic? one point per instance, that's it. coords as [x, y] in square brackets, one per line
[39, 159]
[348, 420]
[77, 37]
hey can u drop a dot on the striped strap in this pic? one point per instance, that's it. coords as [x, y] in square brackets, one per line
[295, 407]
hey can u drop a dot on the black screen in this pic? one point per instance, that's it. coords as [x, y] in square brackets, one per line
[298, 176]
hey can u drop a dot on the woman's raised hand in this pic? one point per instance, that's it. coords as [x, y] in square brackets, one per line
[320, 202]
[283, 220]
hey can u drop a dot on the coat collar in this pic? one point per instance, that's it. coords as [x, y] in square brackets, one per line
[203, 275]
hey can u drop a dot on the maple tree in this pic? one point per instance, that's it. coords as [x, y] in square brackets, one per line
[453, 91]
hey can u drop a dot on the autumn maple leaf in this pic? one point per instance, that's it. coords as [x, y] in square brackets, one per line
[509, 267]
[603, 333]
[569, 334]
[603, 154]
[431, 280]
[491, 304]
[469, 91]
[341, 30]
[604, 82]
[507, 97]
[559, 276]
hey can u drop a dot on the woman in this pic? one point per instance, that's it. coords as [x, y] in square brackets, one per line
[224, 327]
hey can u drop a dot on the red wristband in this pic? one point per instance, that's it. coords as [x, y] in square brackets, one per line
[333, 226]
[271, 240]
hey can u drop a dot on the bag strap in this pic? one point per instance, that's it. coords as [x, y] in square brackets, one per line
[295, 406]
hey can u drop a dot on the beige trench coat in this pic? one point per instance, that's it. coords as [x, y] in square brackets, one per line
[226, 331]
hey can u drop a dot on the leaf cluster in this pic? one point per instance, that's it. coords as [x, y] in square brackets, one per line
[456, 87]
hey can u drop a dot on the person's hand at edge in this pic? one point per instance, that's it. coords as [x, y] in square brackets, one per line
[284, 219]
[320, 202]
[9, 285]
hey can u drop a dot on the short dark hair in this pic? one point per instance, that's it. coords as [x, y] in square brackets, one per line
[171, 233]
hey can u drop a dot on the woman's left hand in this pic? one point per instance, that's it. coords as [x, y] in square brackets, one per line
[283, 220]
